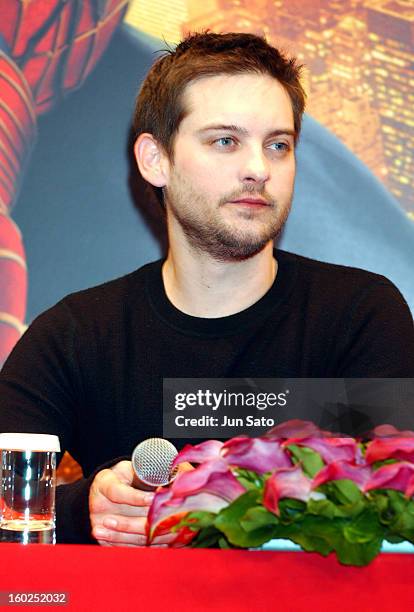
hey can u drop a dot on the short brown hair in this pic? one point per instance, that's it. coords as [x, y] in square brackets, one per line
[159, 108]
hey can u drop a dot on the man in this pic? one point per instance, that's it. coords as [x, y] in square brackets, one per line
[73, 225]
[217, 122]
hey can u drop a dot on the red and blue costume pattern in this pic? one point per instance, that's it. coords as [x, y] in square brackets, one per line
[47, 49]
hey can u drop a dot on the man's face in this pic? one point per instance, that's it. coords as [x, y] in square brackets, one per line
[230, 184]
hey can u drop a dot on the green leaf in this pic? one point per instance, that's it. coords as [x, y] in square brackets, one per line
[291, 510]
[322, 535]
[364, 528]
[207, 538]
[378, 464]
[257, 517]
[380, 500]
[311, 460]
[397, 500]
[322, 507]
[224, 544]
[328, 509]
[229, 522]
[396, 513]
[403, 525]
[394, 539]
[199, 519]
[250, 480]
[358, 554]
[314, 534]
[342, 491]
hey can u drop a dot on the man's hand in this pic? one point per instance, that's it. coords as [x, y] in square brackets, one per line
[118, 512]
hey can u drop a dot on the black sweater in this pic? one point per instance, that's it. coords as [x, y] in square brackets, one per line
[91, 368]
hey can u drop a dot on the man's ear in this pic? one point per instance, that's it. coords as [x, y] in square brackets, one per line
[151, 160]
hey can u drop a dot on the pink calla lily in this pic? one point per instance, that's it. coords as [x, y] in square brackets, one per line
[398, 476]
[258, 454]
[409, 492]
[286, 482]
[390, 448]
[296, 428]
[389, 431]
[330, 449]
[342, 470]
[166, 511]
[212, 489]
[212, 485]
[212, 476]
[210, 449]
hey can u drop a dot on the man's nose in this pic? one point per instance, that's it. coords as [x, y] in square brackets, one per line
[254, 166]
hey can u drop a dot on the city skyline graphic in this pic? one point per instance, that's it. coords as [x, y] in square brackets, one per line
[359, 66]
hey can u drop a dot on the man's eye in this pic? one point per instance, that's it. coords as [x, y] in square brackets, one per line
[225, 141]
[280, 146]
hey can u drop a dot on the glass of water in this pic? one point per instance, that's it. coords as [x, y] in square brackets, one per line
[28, 483]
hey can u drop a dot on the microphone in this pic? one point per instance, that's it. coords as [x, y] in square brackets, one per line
[151, 461]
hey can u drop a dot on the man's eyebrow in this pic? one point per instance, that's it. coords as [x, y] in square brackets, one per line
[283, 132]
[240, 130]
[223, 127]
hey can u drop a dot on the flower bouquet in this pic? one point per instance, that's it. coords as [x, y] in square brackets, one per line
[323, 492]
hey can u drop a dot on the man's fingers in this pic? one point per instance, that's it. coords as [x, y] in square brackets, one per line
[107, 537]
[120, 493]
[113, 509]
[118, 512]
[124, 471]
[110, 537]
[135, 525]
[129, 544]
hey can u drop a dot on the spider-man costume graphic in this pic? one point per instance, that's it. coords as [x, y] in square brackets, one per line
[47, 49]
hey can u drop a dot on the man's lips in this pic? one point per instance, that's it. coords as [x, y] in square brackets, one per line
[250, 202]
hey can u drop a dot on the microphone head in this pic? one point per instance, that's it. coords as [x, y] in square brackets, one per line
[152, 460]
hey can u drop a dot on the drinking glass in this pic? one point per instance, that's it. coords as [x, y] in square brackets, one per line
[28, 483]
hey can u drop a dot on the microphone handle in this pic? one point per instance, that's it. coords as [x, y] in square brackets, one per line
[142, 486]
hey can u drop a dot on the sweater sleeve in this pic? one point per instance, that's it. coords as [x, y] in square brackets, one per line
[40, 387]
[40, 392]
[73, 525]
[378, 339]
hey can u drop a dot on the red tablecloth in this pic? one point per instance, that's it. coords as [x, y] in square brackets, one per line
[116, 579]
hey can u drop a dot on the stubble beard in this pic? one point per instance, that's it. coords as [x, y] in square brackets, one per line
[211, 233]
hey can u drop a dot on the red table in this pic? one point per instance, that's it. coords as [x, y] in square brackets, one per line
[116, 579]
